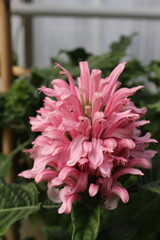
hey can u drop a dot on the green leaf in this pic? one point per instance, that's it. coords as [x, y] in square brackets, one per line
[48, 204]
[20, 102]
[122, 44]
[155, 106]
[15, 58]
[76, 55]
[138, 219]
[153, 187]
[86, 221]
[5, 165]
[6, 160]
[17, 201]
[56, 233]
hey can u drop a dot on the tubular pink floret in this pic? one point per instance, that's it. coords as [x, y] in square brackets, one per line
[89, 137]
[70, 79]
[121, 192]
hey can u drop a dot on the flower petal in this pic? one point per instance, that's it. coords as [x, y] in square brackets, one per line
[67, 203]
[139, 162]
[68, 171]
[83, 80]
[45, 175]
[127, 171]
[111, 203]
[121, 192]
[95, 156]
[53, 194]
[70, 79]
[76, 150]
[93, 189]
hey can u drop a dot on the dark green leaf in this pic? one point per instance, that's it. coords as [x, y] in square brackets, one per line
[6, 160]
[48, 204]
[15, 58]
[16, 202]
[56, 233]
[155, 106]
[86, 221]
[138, 219]
[153, 187]
[76, 55]
[20, 103]
[5, 164]
[122, 44]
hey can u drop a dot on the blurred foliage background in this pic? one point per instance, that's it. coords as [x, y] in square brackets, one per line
[138, 219]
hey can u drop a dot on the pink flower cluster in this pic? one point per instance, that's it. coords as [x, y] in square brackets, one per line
[89, 138]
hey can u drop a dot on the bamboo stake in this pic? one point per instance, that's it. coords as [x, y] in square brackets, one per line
[6, 67]
[6, 52]
[6, 74]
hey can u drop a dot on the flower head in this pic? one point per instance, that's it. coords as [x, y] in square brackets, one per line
[89, 138]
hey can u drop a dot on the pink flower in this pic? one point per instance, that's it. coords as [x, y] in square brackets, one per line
[89, 138]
